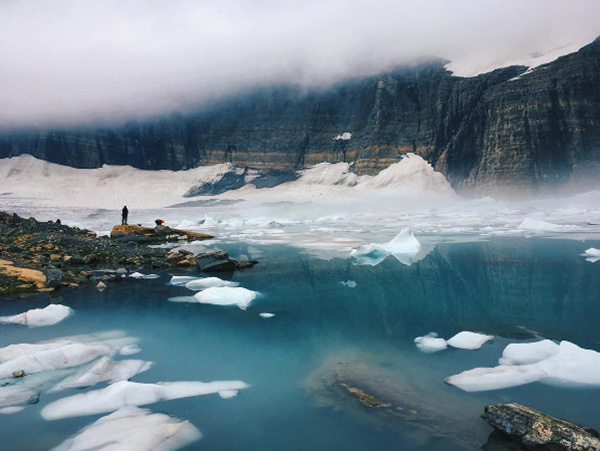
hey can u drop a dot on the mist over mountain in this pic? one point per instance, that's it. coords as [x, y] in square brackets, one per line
[513, 128]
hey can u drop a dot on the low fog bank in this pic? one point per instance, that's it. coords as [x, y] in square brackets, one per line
[70, 62]
[326, 206]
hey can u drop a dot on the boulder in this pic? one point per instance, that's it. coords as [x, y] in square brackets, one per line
[53, 277]
[536, 430]
[215, 261]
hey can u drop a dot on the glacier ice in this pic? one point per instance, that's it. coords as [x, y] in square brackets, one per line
[565, 365]
[101, 370]
[266, 315]
[592, 254]
[132, 428]
[59, 356]
[181, 280]
[469, 340]
[47, 316]
[18, 395]
[404, 247]
[537, 225]
[208, 282]
[127, 393]
[139, 275]
[430, 343]
[525, 353]
[242, 297]
[349, 283]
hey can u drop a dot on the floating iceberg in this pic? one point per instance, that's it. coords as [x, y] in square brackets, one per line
[104, 369]
[139, 275]
[344, 136]
[404, 247]
[266, 315]
[38, 358]
[525, 353]
[565, 365]
[181, 280]
[18, 395]
[132, 428]
[208, 282]
[592, 254]
[537, 225]
[430, 343]
[227, 296]
[349, 284]
[127, 393]
[469, 340]
[47, 316]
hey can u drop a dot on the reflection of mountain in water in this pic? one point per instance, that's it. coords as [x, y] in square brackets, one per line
[542, 285]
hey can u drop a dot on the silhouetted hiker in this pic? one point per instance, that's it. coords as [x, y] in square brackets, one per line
[124, 214]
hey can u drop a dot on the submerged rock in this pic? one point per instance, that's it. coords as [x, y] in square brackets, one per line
[355, 384]
[536, 430]
[219, 261]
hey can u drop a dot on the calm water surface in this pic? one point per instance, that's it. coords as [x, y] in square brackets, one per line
[515, 289]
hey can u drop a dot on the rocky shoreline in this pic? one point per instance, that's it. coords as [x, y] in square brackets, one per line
[45, 256]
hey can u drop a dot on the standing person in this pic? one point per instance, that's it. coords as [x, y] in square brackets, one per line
[124, 214]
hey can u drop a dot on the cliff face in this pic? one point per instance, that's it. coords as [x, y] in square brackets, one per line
[529, 131]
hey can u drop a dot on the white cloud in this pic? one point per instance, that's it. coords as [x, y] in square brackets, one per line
[69, 60]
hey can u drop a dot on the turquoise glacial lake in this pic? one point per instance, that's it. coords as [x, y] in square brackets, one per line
[325, 333]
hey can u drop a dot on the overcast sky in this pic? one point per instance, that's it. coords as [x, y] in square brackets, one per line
[66, 61]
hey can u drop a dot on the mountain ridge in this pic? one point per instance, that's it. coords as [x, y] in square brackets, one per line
[528, 130]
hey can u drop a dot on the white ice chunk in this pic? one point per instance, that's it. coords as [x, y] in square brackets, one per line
[104, 369]
[134, 429]
[266, 315]
[129, 350]
[190, 299]
[503, 376]
[208, 282]
[242, 297]
[349, 284]
[18, 395]
[568, 366]
[47, 316]
[139, 275]
[469, 340]
[430, 343]
[11, 410]
[128, 393]
[592, 254]
[541, 226]
[181, 280]
[404, 247]
[525, 353]
[61, 356]
[226, 394]
[344, 136]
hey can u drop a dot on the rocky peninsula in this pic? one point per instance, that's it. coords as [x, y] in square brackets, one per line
[45, 256]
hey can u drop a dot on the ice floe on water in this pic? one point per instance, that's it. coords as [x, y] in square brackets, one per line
[47, 316]
[132, 428]
[537, 225]
[209, 282]
[469, 340]
[104, 369]
[404, 247]
[139, 275]
[349, 283]
[182, 280]
[242, 297]
[67, 362]
[266, 315]
[430, 343]
[565, 365]
[128, 393]
[592, 254]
